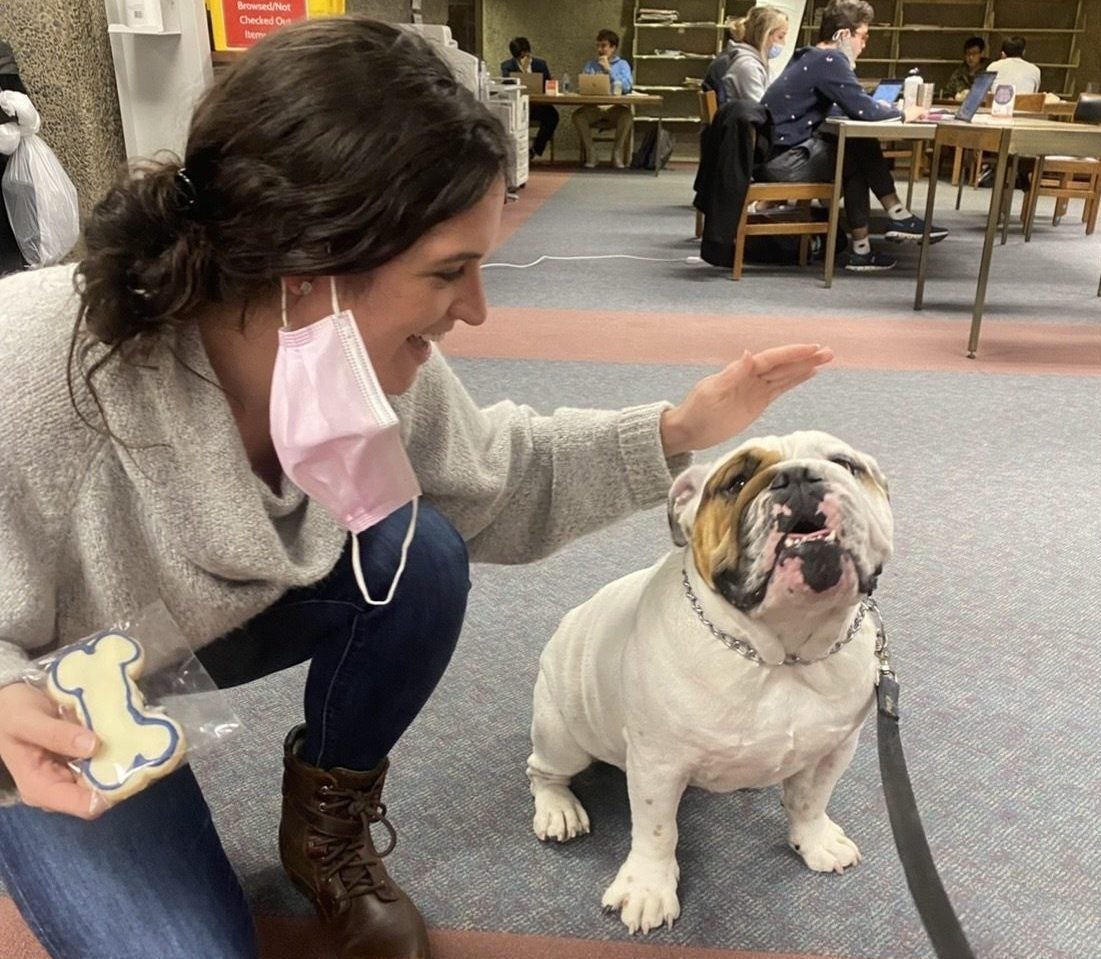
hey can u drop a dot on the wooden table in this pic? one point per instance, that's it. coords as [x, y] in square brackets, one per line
[918, 133]
[609, 100]
[1007, 139]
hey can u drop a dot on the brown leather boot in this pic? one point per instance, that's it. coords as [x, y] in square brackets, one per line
[327, 850]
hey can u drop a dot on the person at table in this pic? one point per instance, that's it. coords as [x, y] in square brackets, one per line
[609, 62]
[1014, 68]
[964, 75]
[741, 70]
[541, 113]
[818, 80]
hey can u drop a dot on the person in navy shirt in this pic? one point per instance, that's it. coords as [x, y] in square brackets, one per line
[818, 81]
[608, 61]
[542, 113]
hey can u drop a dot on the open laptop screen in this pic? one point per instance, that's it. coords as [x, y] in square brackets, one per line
[980, 87]
[888, 90]
[531, 82]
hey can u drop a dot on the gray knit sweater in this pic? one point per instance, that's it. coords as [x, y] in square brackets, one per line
[93, 530]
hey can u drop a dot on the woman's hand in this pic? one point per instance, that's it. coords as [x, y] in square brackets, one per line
[36, 745]
[722, 405]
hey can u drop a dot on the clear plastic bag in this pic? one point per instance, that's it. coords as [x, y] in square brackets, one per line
[41, 202]
[139, 687]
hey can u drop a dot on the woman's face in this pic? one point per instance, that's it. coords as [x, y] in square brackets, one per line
[417, 297]
[778, 37]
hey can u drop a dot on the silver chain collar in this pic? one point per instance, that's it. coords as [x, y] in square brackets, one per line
[745, 648]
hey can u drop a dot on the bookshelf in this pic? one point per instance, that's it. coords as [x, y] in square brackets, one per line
[930, 34]
[671, 58]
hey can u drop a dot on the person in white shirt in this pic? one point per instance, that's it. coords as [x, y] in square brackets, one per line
[1013, 68]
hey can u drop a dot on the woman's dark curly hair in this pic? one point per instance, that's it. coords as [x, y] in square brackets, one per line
[330, 147]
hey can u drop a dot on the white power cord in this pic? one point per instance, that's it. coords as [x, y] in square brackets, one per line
[599, 256]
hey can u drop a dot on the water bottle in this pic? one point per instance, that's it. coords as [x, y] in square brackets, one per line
[565, 83]
[617, 88]
[911, 89]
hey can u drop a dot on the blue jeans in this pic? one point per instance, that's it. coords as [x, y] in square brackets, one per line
[150, 877]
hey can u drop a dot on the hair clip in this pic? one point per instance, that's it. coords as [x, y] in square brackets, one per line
[186, 194]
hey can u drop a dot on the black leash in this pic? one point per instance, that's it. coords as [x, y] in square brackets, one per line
[933, 906]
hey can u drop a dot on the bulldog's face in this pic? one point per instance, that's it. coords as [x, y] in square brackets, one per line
[782, 518]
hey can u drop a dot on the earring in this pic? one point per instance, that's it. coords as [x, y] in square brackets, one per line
[305, 288]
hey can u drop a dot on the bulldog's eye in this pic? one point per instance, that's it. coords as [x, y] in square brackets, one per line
[735, 484]
[855, 468]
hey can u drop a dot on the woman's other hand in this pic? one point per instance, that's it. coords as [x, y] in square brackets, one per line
[724, 404]
[36, 746]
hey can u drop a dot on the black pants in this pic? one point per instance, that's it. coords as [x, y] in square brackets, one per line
[547, 118]
[815, 160]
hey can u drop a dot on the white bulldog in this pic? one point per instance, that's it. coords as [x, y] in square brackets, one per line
[740, 660]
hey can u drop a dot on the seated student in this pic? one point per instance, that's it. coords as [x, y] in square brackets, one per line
[608, 61]
[1014, 68]
[542, 113]
[741, 70]
[964, 75]
[817, 80]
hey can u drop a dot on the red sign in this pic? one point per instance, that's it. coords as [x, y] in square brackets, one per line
[250, 20]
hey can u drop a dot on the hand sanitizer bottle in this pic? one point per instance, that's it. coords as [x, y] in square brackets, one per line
[911, 89]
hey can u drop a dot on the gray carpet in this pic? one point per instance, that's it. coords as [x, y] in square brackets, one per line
[992, 607]
[1051, 279]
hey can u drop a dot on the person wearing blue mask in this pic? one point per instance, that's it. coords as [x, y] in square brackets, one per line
[741, 70]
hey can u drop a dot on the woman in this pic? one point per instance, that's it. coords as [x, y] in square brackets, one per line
[196, 441]
[741, 70]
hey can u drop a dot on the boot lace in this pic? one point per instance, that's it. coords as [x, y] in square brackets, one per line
[356, 861]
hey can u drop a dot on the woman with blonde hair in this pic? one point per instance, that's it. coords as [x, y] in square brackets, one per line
[741, 70]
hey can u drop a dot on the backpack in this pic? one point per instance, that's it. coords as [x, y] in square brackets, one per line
[653, 153]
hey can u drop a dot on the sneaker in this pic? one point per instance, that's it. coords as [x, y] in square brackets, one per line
[870, 262]
[589, 164]
[618, 164]
[911, 229]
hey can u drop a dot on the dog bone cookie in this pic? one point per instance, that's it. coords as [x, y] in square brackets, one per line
[97, 681]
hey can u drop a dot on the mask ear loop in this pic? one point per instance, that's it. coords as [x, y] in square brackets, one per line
[332, 291]
[358, 569]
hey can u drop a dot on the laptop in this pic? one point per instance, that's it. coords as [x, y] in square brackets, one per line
[890, 91]
[531, 82]
[966, 111]
[594, 85]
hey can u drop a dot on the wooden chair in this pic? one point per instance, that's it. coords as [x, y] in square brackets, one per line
[709, 106]
[773, 223]
[767, 223]
[1068, 178]
[763, 225]
[1023, 103]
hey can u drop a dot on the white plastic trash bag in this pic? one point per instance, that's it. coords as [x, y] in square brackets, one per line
[41, 202]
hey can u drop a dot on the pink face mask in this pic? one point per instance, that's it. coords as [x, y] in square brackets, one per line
[334, 431]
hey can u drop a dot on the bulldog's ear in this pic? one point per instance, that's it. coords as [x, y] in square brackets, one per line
[684, 496]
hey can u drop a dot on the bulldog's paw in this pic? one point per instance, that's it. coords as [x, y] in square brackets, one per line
[645, 893]
[558, 814]
[824, 846]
